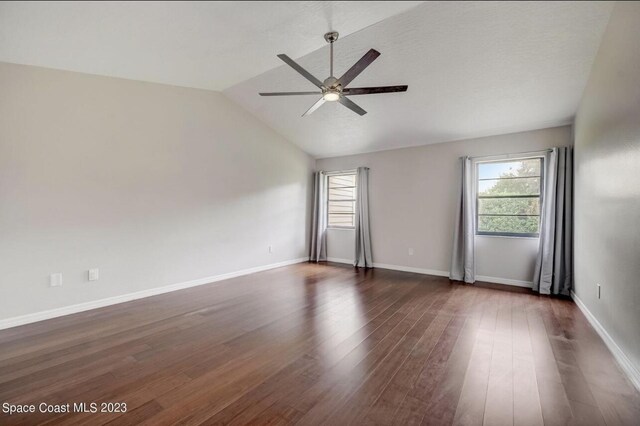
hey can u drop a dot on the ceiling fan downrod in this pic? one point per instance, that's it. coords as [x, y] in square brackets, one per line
[330, 37]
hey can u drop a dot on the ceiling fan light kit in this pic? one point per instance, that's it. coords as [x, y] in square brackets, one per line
[331, 96]
[335, 89]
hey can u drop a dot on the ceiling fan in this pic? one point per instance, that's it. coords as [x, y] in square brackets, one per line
[335, 89]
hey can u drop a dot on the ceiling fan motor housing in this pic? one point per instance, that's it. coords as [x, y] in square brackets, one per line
[332, 90]
[331, 83]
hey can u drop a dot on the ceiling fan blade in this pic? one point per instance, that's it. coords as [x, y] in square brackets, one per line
[314, 107]
[374, 90]
[288, 93]
[306, 74]
[351, 105]
[358, 67]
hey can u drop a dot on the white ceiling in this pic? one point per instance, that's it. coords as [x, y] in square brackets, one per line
[473, 68]
[207, 45]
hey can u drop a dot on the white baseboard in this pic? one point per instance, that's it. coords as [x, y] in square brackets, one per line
[495, 280]
[67, 310]
[394, 267]
[411, 269]
[625, 363]
[507, 281]
[338, 260]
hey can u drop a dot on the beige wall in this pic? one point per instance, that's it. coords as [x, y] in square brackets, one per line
[607, 184]
[413, 198]
[153, 184]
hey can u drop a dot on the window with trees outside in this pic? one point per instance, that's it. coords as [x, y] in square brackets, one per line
[509, 197]
[341, 200]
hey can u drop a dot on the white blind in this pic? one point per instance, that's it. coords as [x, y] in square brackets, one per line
[342, 200]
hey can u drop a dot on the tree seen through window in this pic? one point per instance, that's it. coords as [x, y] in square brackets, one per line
[509, 197]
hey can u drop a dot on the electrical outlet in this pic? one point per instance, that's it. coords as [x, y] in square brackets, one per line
[270, 249]
[55, 280]
[410, 252]
[598, 285]
[94, 274]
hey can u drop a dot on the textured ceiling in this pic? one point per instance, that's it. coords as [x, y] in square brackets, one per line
[208, 45]
[473, 69]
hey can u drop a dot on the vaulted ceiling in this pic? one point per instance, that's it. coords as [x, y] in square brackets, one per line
[473, 68]
[206, 45]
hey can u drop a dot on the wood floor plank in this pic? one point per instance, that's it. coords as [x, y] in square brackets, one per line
[415, 405]
[384, 409]
[473, 397]
[471, 404]
[499, 399]
[322, 344]
[556, 409]
[526, 400]
[364, 359]
[370, 389]
[443, 402]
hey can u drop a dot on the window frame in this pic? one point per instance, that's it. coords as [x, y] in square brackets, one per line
[540, 196]
[341, 173]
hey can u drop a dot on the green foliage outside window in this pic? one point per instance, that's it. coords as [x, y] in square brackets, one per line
[509, 197]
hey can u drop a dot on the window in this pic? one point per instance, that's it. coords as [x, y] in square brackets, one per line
[509, 197]
[341, 200]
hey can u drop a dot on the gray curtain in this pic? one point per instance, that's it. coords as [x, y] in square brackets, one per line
[318, 250]
[554, 263]
[462, 259]
[363, 235]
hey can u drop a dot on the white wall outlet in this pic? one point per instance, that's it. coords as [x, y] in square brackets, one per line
[270, 249]
[598, 286]
[94, 274]
[410, 252]
[55, 280]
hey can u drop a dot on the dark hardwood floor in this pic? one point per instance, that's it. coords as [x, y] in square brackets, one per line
[322, 344]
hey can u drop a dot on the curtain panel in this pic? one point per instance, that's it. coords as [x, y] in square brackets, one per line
[363, 255]
[318, 250]
[553, 273]
[463, 257]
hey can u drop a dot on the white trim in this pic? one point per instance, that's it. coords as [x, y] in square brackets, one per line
[506, 236]
[507, 281]
[340, 172]
[495, 280]
[395, 267]
[338, 260]
[68, 310]
[510, 156]
[625, 363]
[411, 269]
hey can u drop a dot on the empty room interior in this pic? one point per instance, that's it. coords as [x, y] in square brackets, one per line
[332, 213]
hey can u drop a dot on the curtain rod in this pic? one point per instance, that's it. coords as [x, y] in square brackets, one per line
[512, 154]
